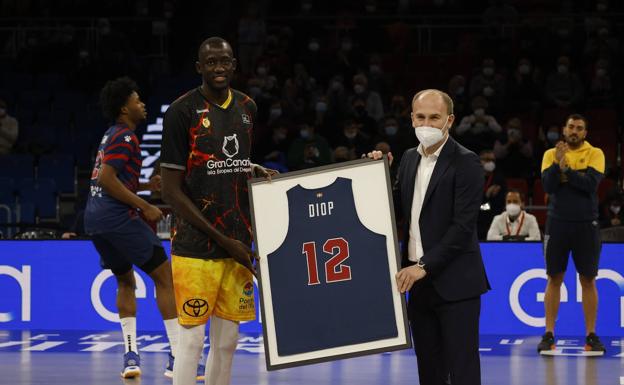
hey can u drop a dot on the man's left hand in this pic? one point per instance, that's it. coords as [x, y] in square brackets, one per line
[408, 276]
[262, 172]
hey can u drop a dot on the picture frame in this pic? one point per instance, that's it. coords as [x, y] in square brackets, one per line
[362, 190]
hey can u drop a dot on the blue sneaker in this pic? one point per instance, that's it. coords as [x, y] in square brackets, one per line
[201, 369]
[132, 365]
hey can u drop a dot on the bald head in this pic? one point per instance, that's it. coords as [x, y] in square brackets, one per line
[213, 42]
[431, 94]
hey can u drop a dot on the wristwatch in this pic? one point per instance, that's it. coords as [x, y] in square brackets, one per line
[420, 264]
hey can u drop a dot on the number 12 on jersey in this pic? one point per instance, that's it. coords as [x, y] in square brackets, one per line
[335, 270]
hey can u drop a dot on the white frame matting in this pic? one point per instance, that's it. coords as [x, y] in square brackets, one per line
[269, 213]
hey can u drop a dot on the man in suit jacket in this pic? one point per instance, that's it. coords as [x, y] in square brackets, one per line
[439, 187]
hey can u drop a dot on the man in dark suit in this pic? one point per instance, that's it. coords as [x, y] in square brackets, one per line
[439, 187]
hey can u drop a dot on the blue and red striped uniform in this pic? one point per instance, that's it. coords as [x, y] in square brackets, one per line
[119, 149]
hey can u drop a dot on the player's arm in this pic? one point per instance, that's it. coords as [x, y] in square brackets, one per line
[550, 173]
[107, 179]
[588, 181]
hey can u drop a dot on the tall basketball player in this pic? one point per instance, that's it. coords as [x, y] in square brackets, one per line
[205, 165]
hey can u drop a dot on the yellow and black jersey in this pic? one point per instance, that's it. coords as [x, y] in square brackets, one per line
[573, 193]
[211, 143]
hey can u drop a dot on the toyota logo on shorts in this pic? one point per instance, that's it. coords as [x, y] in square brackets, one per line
[195, 307]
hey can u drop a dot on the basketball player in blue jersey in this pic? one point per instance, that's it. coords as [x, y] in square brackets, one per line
[119, 235]
[205, 165]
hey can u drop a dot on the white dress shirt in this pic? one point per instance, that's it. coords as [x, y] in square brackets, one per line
[423, 176]
[525, 224]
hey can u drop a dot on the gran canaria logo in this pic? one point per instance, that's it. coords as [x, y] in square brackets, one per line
[230, 146]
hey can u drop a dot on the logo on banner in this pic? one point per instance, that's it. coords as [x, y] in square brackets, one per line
[195, 307]
[24, 281]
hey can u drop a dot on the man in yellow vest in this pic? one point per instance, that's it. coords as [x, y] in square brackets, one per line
[571, 173]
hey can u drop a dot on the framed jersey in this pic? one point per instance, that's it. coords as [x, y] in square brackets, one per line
[328, 253]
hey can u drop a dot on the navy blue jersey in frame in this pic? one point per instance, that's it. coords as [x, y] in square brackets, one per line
[330, 279]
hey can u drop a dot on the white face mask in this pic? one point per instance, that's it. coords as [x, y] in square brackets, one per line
[512, 209]
[615, 209]
[489, 166]
[428, 135]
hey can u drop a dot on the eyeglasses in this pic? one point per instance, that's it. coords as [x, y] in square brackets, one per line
[224, 62]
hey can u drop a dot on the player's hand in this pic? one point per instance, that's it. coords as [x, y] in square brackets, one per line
[241, 253]
[152, 213]
[263, 172]
[408, 276]
[155, 183]
[378, 155]
[560, 150]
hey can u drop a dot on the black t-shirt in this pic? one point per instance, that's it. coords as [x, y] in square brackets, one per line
[212, 144]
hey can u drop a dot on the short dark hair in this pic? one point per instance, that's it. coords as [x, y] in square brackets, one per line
[115, 95]
[212, 41]
[515, 190]
[577, 117]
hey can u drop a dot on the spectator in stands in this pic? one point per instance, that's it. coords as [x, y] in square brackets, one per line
[309, 150]
[457, 91]
[479, 130]
[525, 87]
[601, 43]
[314, 60]
[563, 87]
[378, 79]
[494, 191]
[273, 148]
[9, 129]
[601, 86]
[399, 136]
[337, 100]
[373, 104]
[343, 154]
[400, 109]
[360, 113]
[353, 138]
[514, 224]
[490, 84]
[251, 37]
[611, 213]
[514, 153]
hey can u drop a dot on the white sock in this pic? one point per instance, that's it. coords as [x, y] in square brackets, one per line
[189, 350]
[223, 341]
[172, 326]
[128, 329]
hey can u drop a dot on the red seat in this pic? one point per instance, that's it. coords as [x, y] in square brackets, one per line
[519, 184]
[539, 196]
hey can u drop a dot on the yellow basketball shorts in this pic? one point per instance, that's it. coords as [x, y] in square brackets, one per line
[204, 287]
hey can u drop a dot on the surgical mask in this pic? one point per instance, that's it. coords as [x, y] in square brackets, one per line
[615, 209]
[488, 71]
[428, 136]
[304, 133]
[358, 88]
[524, 69]
[313, 46]
[346, 46]
[374, 69]
[276, 112]
[489, 166]
[488, 91]
[512, 209]
[562, 69]
[479, 112]
[391, 130]
[552, 136]
[350, 134]
[321, 106]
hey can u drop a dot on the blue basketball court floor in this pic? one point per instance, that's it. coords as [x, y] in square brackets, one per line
[75, 357]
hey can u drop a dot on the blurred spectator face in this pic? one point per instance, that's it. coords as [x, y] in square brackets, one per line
[383, 147]
[514, 129]
[280, 133]
[479, 106]
[488, 68]
[321, 106]
[391, 127]
[306, 6]
[276, 110]
[341, 154]
[359, 106]
[351, 129]
[261, 70]
[602, 5]
[336, 84]
[371, 6]
[346, 45]
[457, 85]
[602, 68]
[615, 207]
[360, 83]
[104, 26]
[374, 65]
[563, 65]
[314, 45]
[306, 131]
[488, 161]
[574, 132]
[514, 198]
[552, 135]
[524, 66]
